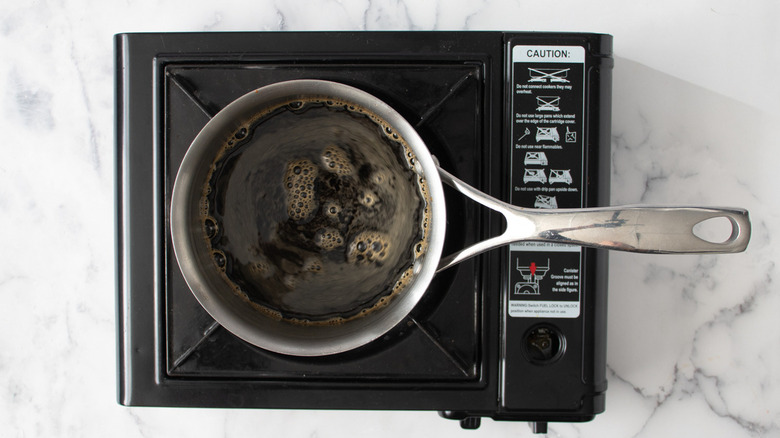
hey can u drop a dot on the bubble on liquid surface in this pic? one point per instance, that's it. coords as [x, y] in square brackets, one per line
[336, 160]
[328, 238]
[299, 184]
[368, 247]
[380, 177]
[404, 280]
[210, 227]
[368, 198]
[219, 259]
[262, 267]
[312, 264]
[332, 209]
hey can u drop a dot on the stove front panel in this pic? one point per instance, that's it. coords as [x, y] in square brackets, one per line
[459, 351]
[555, 300]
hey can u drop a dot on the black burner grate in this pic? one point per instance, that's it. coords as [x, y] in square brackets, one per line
[439, 340]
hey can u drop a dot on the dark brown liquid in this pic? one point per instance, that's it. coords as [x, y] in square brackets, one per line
[314, 212]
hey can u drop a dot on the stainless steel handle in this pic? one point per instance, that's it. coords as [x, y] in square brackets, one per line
[645, 229]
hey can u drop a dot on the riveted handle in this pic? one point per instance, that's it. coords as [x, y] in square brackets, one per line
[644, 229]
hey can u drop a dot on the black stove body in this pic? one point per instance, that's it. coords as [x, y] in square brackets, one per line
[518, 333]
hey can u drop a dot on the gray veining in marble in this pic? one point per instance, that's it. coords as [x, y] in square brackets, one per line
[694, 345]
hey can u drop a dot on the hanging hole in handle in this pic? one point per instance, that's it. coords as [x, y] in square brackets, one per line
[715, 229]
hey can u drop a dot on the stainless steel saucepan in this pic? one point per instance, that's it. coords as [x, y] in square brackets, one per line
[628, 228]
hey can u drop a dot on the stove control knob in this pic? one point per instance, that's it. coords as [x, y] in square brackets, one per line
[543, 344]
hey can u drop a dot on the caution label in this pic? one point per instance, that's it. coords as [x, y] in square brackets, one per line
[547, 171]
[544, 283]
[563, 54]
[547, 128]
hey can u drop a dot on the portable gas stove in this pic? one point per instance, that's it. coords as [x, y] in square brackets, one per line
[516, 334]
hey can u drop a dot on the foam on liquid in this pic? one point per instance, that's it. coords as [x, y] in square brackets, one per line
[314, 212]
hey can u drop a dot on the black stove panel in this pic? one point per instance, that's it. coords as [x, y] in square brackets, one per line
[449, 353]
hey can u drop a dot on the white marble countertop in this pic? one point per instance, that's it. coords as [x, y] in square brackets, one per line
[694, 345]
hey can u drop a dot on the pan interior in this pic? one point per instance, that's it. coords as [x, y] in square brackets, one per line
[314, 211]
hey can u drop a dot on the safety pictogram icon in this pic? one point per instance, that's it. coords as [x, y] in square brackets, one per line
[553, 75]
